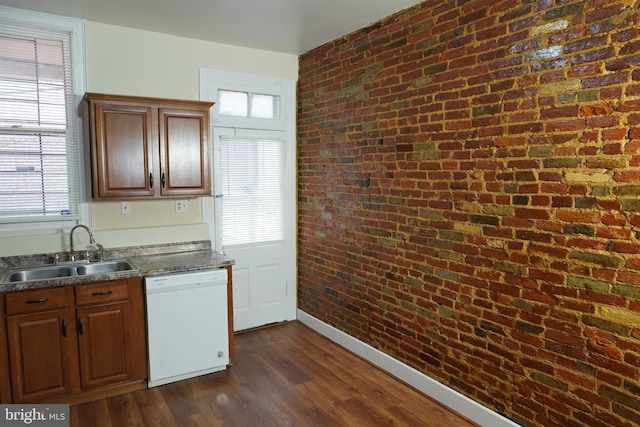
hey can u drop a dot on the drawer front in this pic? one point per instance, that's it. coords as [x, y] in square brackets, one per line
[32, 301]
[102, 292]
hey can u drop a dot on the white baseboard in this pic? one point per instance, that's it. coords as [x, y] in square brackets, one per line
[437, 391]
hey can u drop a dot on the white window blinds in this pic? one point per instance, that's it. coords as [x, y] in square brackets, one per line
[251, 181]
[39, 155]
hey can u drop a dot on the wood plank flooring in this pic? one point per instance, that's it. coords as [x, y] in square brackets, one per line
[283, 375]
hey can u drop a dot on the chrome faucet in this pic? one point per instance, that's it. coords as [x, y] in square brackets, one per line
[71, 250]
[100, 252]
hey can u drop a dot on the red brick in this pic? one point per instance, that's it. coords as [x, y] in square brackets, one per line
[627, 176]
[477, 189]
[629, 277]
[565, 125]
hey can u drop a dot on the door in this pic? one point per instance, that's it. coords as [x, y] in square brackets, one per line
[252, 215]
[35, 377]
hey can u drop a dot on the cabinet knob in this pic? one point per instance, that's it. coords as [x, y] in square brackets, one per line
[150, 179]
[64, 327]
[220, 354]
[80, 326]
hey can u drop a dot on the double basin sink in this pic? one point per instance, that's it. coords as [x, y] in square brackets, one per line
[67, 269]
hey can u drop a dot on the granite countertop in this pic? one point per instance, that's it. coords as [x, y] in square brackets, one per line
[154, 265]
[152, 260]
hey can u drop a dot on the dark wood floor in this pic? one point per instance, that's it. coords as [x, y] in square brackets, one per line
[284, 375]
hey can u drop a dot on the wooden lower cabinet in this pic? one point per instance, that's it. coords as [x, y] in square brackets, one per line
[41, 356]
[5, 383]
[103, 344]
[42, 344]
[67, 342]
[111, 350]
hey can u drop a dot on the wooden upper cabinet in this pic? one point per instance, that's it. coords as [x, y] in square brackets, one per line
[124, 150]
[148, 147]
[183, 153]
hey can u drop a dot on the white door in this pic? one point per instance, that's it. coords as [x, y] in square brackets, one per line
[252, 215]
[251, 221]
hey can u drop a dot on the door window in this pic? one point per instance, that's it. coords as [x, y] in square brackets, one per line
[252, 189]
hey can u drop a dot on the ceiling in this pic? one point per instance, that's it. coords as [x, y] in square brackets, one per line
[287, 26]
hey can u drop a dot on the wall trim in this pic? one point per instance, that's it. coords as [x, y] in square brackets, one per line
[432, 388]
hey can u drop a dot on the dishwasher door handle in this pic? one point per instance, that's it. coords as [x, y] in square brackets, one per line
[177, 288]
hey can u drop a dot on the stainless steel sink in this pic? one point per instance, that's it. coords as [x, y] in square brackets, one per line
[27, 274]
[104, 267]
[41, 273]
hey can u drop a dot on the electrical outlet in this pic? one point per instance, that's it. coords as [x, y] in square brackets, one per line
[182, 206]
[126, 208]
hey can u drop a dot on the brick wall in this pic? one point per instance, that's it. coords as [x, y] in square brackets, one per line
[469, 182]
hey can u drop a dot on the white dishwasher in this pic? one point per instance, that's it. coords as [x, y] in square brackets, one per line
[187, 325]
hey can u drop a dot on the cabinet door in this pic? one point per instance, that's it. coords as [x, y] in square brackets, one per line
[42, 354]
[103, 340]
[5, 382]
[184, 150]
[124, 151]
[110, 327]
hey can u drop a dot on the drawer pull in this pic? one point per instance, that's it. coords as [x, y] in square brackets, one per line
[102, 293]
[36, 301]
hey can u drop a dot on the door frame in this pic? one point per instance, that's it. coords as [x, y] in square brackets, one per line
[210, 80]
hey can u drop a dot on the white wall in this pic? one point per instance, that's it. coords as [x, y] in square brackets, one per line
[133, 62]
[126, 61]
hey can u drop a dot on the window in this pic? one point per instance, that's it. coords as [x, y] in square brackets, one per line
[39, 130]
[246, 104]
[252, 186]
